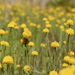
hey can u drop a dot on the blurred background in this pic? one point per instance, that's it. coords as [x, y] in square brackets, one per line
[44, 3]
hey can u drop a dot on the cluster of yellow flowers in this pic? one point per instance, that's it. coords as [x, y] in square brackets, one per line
[27, 34]
[8, 60]
[55, 44]
[69, 66]
[4, 43]
[26, 69]
[2, 32]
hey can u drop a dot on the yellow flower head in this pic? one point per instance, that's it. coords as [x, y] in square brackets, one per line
[66, 58]
[0, 66]
[42, 45]
[23, 26]
[65, 65]
[16, 27]
[2, 32]
[38, 26]
[18, 66]
[48, 26]
[62, 27]
[43, 71]
[4, 43]
[45, 30]
[69, 22]
[53, 73]
[27, 34]
[12, 24]
[34, 53]
[8, 60]
[24, 41]
[26, 69]
[70, 31]
[71, 53]
[64, 42]
[70, 70]
[31, 44]
[55, 44]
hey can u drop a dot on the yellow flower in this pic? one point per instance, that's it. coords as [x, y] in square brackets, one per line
[53, 73]
[24, 41]
[62, 27]
[73, 10]
[4, 43]
[44, 19]
[66, 58]
[26, 69]
[34, 53]
[64, 42]
[0, 66]
[2, 32]
[55, 44]
[18, 66]
[70, 31]
[27, 34]
[70, 70]
[71, 53]
[42, 45]
[65, 65]
[43, 71]
[12, 24]
[23, 26]
[38, 26]
[48, 26]
[16, 27]
[31, 44]
[45, 30]
[8, 60]
[69, 22]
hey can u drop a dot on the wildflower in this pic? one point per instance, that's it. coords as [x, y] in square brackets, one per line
[55, 44]
[69, 22]
[31, 44]
[34, 53]
[18, 66]
[43, 71]
[23, 26]
[8, 60]
[64, 42]
[24, 41]
[2, 32]
[38, 26]
[16, 27]
[42, 45]
[62, 27]
[71, 53]
[53, 73]
[45, 30]
[12, 24]
[48, 26]
[26, 69]
[27, 34]
[4, 43]
[0, 66]
[65, 65]
[70, 31]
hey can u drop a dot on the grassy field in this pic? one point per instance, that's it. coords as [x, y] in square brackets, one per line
[37, 41]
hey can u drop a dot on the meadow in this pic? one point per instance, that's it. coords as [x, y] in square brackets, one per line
[37, 41]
